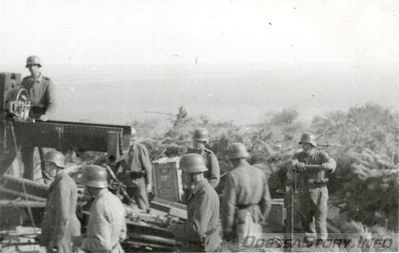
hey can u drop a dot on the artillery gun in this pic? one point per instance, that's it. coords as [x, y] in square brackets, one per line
[157, 230]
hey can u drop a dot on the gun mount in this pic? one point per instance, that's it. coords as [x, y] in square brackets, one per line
[154, 231]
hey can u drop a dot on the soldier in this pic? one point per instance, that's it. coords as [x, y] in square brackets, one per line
[41, 93]
[247, 202]
[201, 229]
[312, 186]
[106, 226]
[136, 172]
[200, 138]
[60, 223]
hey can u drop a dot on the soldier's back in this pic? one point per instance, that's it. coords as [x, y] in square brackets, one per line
[249, 183]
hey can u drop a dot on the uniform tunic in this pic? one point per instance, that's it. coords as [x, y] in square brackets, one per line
[106, 227]
[41, 93]
[313, 193]
[136, 174]
[202, 218]
[246, 193]
[60, 222]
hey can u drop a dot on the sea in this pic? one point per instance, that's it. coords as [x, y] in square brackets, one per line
[240, 93]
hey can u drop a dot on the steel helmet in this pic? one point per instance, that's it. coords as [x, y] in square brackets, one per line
[33, 60]
[308, 138]
[237, 150]
[56, 157]
[95, 176]
[201, 134]
[192, 163]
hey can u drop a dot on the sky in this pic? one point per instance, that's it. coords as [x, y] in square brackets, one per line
[207, 32]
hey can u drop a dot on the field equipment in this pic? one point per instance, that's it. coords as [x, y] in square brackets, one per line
[33, 60]
[55, 157]
[192, 163]
[237, 150]
[94, 176]
[308, 138]
[157, 229]
[201, 135]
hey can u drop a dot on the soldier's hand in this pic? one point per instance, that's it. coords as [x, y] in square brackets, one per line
[113, 184]
[327, 166]
[299, 166]
[149, 188]
[44, 117]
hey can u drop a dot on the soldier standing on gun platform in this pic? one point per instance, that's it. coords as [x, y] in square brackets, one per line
[247, 202]
[60, 224]
[136, 172]
[312, 186]
[41, 93]
[201, 228]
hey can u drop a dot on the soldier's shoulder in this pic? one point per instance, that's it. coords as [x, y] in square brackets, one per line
[140, 146]
[26, 79]
[321, 153]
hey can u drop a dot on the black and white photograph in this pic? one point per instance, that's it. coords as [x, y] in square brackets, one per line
[199, 126]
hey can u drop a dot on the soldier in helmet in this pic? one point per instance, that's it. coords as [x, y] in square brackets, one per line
[246, 203]
[60, 223]
[106, 226]
[200, 138]
[312, 186]
[201, 229]
[41, 93]
[136, 172]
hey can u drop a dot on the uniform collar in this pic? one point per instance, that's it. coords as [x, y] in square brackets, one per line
[39, 78]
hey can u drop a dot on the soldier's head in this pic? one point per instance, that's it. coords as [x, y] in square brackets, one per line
[95, 178]
[54, 161]
[33, 63]
[200, 138]
[193, 167]
[133, 136]
[308, 142]
[237, 153]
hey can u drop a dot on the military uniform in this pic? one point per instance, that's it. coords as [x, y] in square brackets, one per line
[60, 222]
[246, 203]
[211, 162]
[136, 174]
[313, 193]
[202, 217]
[106, 227]
[41, 94]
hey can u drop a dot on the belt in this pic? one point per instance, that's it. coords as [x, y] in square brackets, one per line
[136, 174]
[245, 206]
[317, 184]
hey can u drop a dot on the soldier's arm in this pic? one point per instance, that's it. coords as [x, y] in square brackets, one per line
[266, 201]
[228, 206]
[202, 216]
[100, 223]
[50, 97]
[62, 219]
[328, 163]
[214, 175]
[146, 163]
